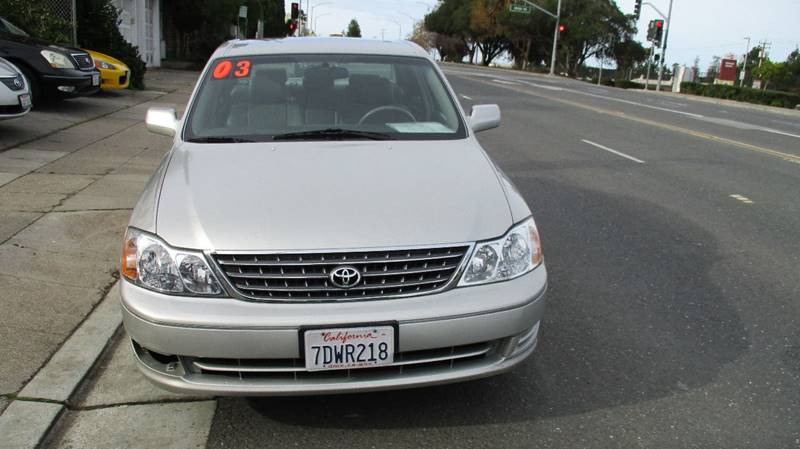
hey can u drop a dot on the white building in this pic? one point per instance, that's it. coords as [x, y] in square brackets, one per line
[140, 24]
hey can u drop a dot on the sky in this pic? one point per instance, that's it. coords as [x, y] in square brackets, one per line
[700, 28]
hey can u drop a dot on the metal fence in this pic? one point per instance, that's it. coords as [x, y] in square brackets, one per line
[65, 9]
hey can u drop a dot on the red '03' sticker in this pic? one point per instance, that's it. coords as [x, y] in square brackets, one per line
[224, 68]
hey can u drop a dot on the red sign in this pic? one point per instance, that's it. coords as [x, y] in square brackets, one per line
[727, 70]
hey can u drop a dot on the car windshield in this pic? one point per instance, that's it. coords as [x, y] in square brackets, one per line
[322, 97]
[10, 28]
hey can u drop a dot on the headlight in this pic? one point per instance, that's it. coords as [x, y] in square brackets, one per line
[104, 65]
[152, 264]
[57, 60]
[514, 254]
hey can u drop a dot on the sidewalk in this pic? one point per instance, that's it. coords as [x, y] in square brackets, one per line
[65, 197]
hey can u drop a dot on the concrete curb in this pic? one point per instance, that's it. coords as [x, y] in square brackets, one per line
[31, 415]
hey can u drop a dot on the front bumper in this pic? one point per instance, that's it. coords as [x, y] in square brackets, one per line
[114, 79]
[459, 334]
[78, 83]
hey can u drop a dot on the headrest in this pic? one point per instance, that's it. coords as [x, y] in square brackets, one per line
[318, 78]
[371, 89]
[268, 85]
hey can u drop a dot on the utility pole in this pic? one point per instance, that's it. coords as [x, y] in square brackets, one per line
[556, 16]
[555, 40]
[649, 57]
[744, 69]
[663, 59]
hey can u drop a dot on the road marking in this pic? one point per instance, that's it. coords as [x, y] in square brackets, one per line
[466, 97]
[613, 151]
[511, 83]
[677, 129]
[741, 198]
[542, 86]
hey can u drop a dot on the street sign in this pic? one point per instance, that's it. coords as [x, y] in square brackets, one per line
[522, 8]
[243, 12]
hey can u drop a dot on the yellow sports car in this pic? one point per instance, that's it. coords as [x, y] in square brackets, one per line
[114, 74]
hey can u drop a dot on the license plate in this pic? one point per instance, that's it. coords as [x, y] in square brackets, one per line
[25, 101]
[349, 348]
[95, 79]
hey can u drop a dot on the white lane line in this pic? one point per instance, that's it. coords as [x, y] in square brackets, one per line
[466, 97]
[741, 198]
[512, 83]
[613, 151]
[542, 86]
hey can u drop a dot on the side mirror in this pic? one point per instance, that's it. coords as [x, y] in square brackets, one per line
[484, 116]
[162, 121]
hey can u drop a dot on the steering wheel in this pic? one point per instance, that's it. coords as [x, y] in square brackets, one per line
[387, 108]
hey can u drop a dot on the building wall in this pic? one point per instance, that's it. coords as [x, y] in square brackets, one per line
[140, 24]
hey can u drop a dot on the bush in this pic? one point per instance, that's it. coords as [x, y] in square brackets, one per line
[37, 19]
[744, 94]
[97, 30]
[625, 84]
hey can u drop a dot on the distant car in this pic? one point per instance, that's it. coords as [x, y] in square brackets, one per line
[114, 74]
[15, 98]
[53, 71]
[327, 222]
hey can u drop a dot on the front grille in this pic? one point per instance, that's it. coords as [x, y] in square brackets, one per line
[306, 277]
[15, 83]
[123, 79]
[83, 60]
[407, 362]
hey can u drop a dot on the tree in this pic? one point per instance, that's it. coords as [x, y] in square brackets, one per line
[628, 53]
[451, 20]
[98, 30]
[422, 37]
[487, 31]
[713, 69]
[353, 29]
[37, 20]
[769, 71]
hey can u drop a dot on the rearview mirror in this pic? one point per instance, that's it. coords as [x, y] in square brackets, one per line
[484, 116]
[162, 121]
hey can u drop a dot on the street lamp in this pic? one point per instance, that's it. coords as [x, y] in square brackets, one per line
[316, 21]
[311, 10]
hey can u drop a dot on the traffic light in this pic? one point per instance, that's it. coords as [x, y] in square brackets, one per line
[562, 28]
[659, 32]
[637, 9]
[291, 26]
[295, 11]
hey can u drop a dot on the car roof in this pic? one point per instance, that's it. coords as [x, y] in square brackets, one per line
[318, 45]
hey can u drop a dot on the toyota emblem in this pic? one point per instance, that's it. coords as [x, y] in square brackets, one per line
[345, 277]
[18, 82]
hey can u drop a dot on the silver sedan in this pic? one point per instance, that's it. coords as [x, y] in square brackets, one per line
[15, 96]
[326, 222]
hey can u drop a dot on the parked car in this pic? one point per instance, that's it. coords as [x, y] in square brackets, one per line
[114, 74]
[325, 222]
[53, 71]
[15, 98]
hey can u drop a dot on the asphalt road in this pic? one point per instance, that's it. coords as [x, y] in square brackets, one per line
[673, 315]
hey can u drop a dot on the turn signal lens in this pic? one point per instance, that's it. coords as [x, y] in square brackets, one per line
[150, 263]
[129, 258]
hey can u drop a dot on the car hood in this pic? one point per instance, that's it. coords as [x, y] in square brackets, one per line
[327, 195]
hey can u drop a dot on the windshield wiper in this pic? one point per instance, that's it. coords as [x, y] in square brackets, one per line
[333, 134]
[219, 139]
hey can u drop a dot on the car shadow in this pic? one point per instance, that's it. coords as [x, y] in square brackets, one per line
[633, 315]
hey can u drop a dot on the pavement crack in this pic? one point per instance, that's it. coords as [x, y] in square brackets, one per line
[72, 407]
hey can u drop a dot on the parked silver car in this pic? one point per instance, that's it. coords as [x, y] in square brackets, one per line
[326, 222]
[15, 96]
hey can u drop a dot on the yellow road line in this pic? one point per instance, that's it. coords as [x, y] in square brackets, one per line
[702, 135]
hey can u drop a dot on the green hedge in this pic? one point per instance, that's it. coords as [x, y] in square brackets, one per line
[744, 94]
